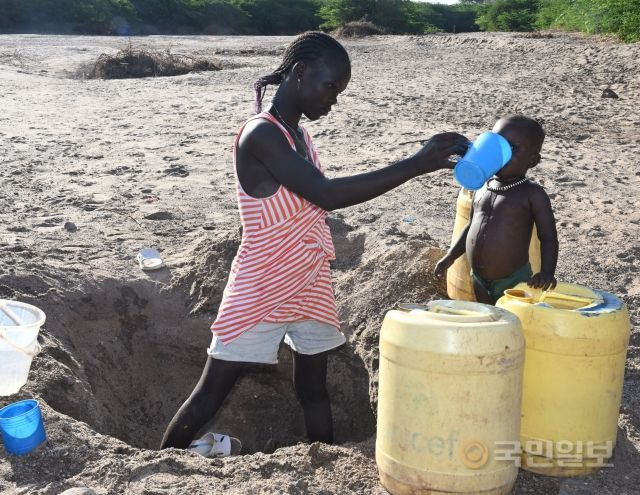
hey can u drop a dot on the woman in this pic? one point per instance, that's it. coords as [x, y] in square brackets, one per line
[280, 284]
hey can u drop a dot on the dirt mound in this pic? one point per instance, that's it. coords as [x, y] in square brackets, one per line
[358, 29]
[391, 273]
[208, 264]
[536, 35]
[139, 62]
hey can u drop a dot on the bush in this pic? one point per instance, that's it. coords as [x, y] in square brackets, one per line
[189, 17]
[621, 17]
[391, 15]
[134, 63]
[123, 17]
[280, 16]
[508, 15]
[337, 13]
[460, 18]
[358, 29]
[399, 16]
[63, 16]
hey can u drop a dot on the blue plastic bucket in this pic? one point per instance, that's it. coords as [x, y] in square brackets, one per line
[486, 155]
[21, 427]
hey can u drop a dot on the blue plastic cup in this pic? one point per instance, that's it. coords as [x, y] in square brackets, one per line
[486, 155]
[21, 427]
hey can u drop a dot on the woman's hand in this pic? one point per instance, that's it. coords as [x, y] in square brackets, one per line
[435, 153]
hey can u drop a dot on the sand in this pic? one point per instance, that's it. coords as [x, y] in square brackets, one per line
[147, 163]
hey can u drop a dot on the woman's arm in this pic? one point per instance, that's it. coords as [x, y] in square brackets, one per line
[267, 144]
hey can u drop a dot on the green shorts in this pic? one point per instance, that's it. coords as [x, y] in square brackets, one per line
[496, 288]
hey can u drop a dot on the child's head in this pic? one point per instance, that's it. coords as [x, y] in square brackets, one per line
[525, 135]
[315, 68]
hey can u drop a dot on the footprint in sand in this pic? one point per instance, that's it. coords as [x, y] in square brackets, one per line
[176, 170]
[159, 215]
[120, 170]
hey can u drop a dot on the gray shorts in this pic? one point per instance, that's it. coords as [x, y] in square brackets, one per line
[260, 344]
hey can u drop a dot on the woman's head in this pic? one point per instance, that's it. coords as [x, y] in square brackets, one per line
[316, 67]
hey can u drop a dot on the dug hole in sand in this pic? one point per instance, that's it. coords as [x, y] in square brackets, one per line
[122, 355]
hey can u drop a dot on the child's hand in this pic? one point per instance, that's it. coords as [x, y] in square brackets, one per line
[433, 155]
[542, 281]
[442, 266]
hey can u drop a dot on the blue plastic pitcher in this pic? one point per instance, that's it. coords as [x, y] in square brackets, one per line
[486, 155]
[21, 427]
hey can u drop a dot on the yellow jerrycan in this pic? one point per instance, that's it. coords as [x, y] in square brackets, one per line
[574, 368]
[459, 284]
[449, 397]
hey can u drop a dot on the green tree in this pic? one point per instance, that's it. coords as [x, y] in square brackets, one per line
[592, 16]
[217, 17]
[457, 18]
[628, 12]
[393, 15]
[63, 16]
[508, 15]
[280, 16]
[336, 13]
[424, 18]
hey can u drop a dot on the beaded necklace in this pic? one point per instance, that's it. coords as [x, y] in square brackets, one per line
[507, 187]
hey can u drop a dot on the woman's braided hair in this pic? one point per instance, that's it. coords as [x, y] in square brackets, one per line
[307, 47]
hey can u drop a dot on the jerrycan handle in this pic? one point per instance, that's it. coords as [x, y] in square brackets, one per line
[445, 312]
[31, 353]
[565, 297]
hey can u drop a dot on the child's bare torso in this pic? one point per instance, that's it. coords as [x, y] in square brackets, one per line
[500, 231]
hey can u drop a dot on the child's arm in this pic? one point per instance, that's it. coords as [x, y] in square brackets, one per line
[457, 249]
[546, 225]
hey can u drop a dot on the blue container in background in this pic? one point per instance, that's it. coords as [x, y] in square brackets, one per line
[486, 155]
[21, 427]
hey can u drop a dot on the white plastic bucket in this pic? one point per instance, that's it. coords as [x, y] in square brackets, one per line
[19, 327]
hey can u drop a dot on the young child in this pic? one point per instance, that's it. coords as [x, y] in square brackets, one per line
[503, 212]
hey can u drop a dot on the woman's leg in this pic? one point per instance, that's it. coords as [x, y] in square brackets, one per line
[216, 382]
[310, 382]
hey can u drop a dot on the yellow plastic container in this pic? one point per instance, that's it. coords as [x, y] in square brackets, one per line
[574, 368]
[459, 284]
[449, 388]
